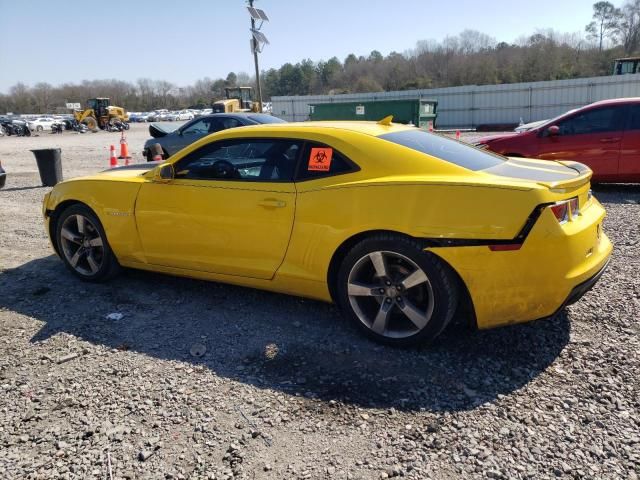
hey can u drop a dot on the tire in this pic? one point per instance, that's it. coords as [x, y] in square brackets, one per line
[91, 123]
[39, 128]
[83, 246]
[395, 292]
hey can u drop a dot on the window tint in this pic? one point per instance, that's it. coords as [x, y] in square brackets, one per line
[634, 120]
[599, 120]
[250, 160]
[230, 123]
[222, 123]
[319, 160]
[444, 148]
[199, 127]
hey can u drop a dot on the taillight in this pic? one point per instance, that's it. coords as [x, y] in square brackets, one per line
[566, 210]
[575, 207]
[561, 211]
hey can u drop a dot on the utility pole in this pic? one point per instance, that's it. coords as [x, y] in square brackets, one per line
[257, 38]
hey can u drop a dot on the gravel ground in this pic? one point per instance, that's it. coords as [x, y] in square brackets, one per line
[285, 389]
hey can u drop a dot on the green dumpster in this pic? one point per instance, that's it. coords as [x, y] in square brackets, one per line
[417, 111]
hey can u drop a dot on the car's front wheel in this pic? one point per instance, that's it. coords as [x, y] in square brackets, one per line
[396, 292]
[83, 246]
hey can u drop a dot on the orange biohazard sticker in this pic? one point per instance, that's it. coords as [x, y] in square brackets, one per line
[320, 159]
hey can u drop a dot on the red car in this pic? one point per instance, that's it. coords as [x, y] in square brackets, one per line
[604, 136]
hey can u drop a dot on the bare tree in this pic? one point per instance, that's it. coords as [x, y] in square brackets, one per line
[22, 98]
[606, 18]
[628, 28]
[162, 88]
[472, 41]
[42, 93]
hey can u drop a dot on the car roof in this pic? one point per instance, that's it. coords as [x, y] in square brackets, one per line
[235, 114]
[369, 128]
[252, 117]
[615, 101]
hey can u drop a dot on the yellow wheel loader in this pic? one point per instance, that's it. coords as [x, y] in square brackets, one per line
[239, 99]
[99, 113]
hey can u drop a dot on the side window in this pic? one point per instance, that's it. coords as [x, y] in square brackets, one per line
[230, 123]
[634, 117]
[600, 120]
[200, 127]
[319, 160]
[257, 160]
[219, 124]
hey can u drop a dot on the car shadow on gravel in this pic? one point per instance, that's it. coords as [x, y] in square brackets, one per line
[278, 342]
[18, 189]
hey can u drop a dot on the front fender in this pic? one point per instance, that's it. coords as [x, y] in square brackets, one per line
[114, 204]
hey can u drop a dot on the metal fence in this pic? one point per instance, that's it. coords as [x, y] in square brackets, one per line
[473, 105]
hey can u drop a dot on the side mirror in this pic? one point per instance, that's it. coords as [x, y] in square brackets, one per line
[553, 130]
[164, 173]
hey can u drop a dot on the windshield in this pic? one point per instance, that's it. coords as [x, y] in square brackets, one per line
[444, 148]
[554, 119]
[260, 118]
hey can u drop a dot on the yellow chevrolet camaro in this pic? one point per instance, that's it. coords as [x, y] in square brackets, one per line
[398, 226]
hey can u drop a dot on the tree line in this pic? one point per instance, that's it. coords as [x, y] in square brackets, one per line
[471, 57]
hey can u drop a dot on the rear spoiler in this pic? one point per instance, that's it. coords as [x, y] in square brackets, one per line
[584, 175]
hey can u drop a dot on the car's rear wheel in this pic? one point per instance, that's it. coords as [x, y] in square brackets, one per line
[83, 246]
[39, 128]
[395, 292]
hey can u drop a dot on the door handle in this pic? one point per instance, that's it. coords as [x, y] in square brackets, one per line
[272, 203]
[610, 140]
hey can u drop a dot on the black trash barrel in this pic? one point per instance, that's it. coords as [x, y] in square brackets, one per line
[49, 165]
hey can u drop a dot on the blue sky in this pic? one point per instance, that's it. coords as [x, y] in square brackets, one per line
[56, 40]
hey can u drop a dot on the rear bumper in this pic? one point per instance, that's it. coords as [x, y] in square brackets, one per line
[556, 265]
[578, 291]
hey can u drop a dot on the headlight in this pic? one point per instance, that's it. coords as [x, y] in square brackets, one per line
[481, 146]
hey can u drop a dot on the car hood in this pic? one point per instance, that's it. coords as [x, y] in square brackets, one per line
[126, 173]
[134, 169]
[498, 136]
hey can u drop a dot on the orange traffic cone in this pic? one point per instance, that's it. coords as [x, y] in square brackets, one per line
[124, 150]
[457, 134]
[113, 161]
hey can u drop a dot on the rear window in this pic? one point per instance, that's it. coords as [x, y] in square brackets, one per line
[444, 148]
[266, 119]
